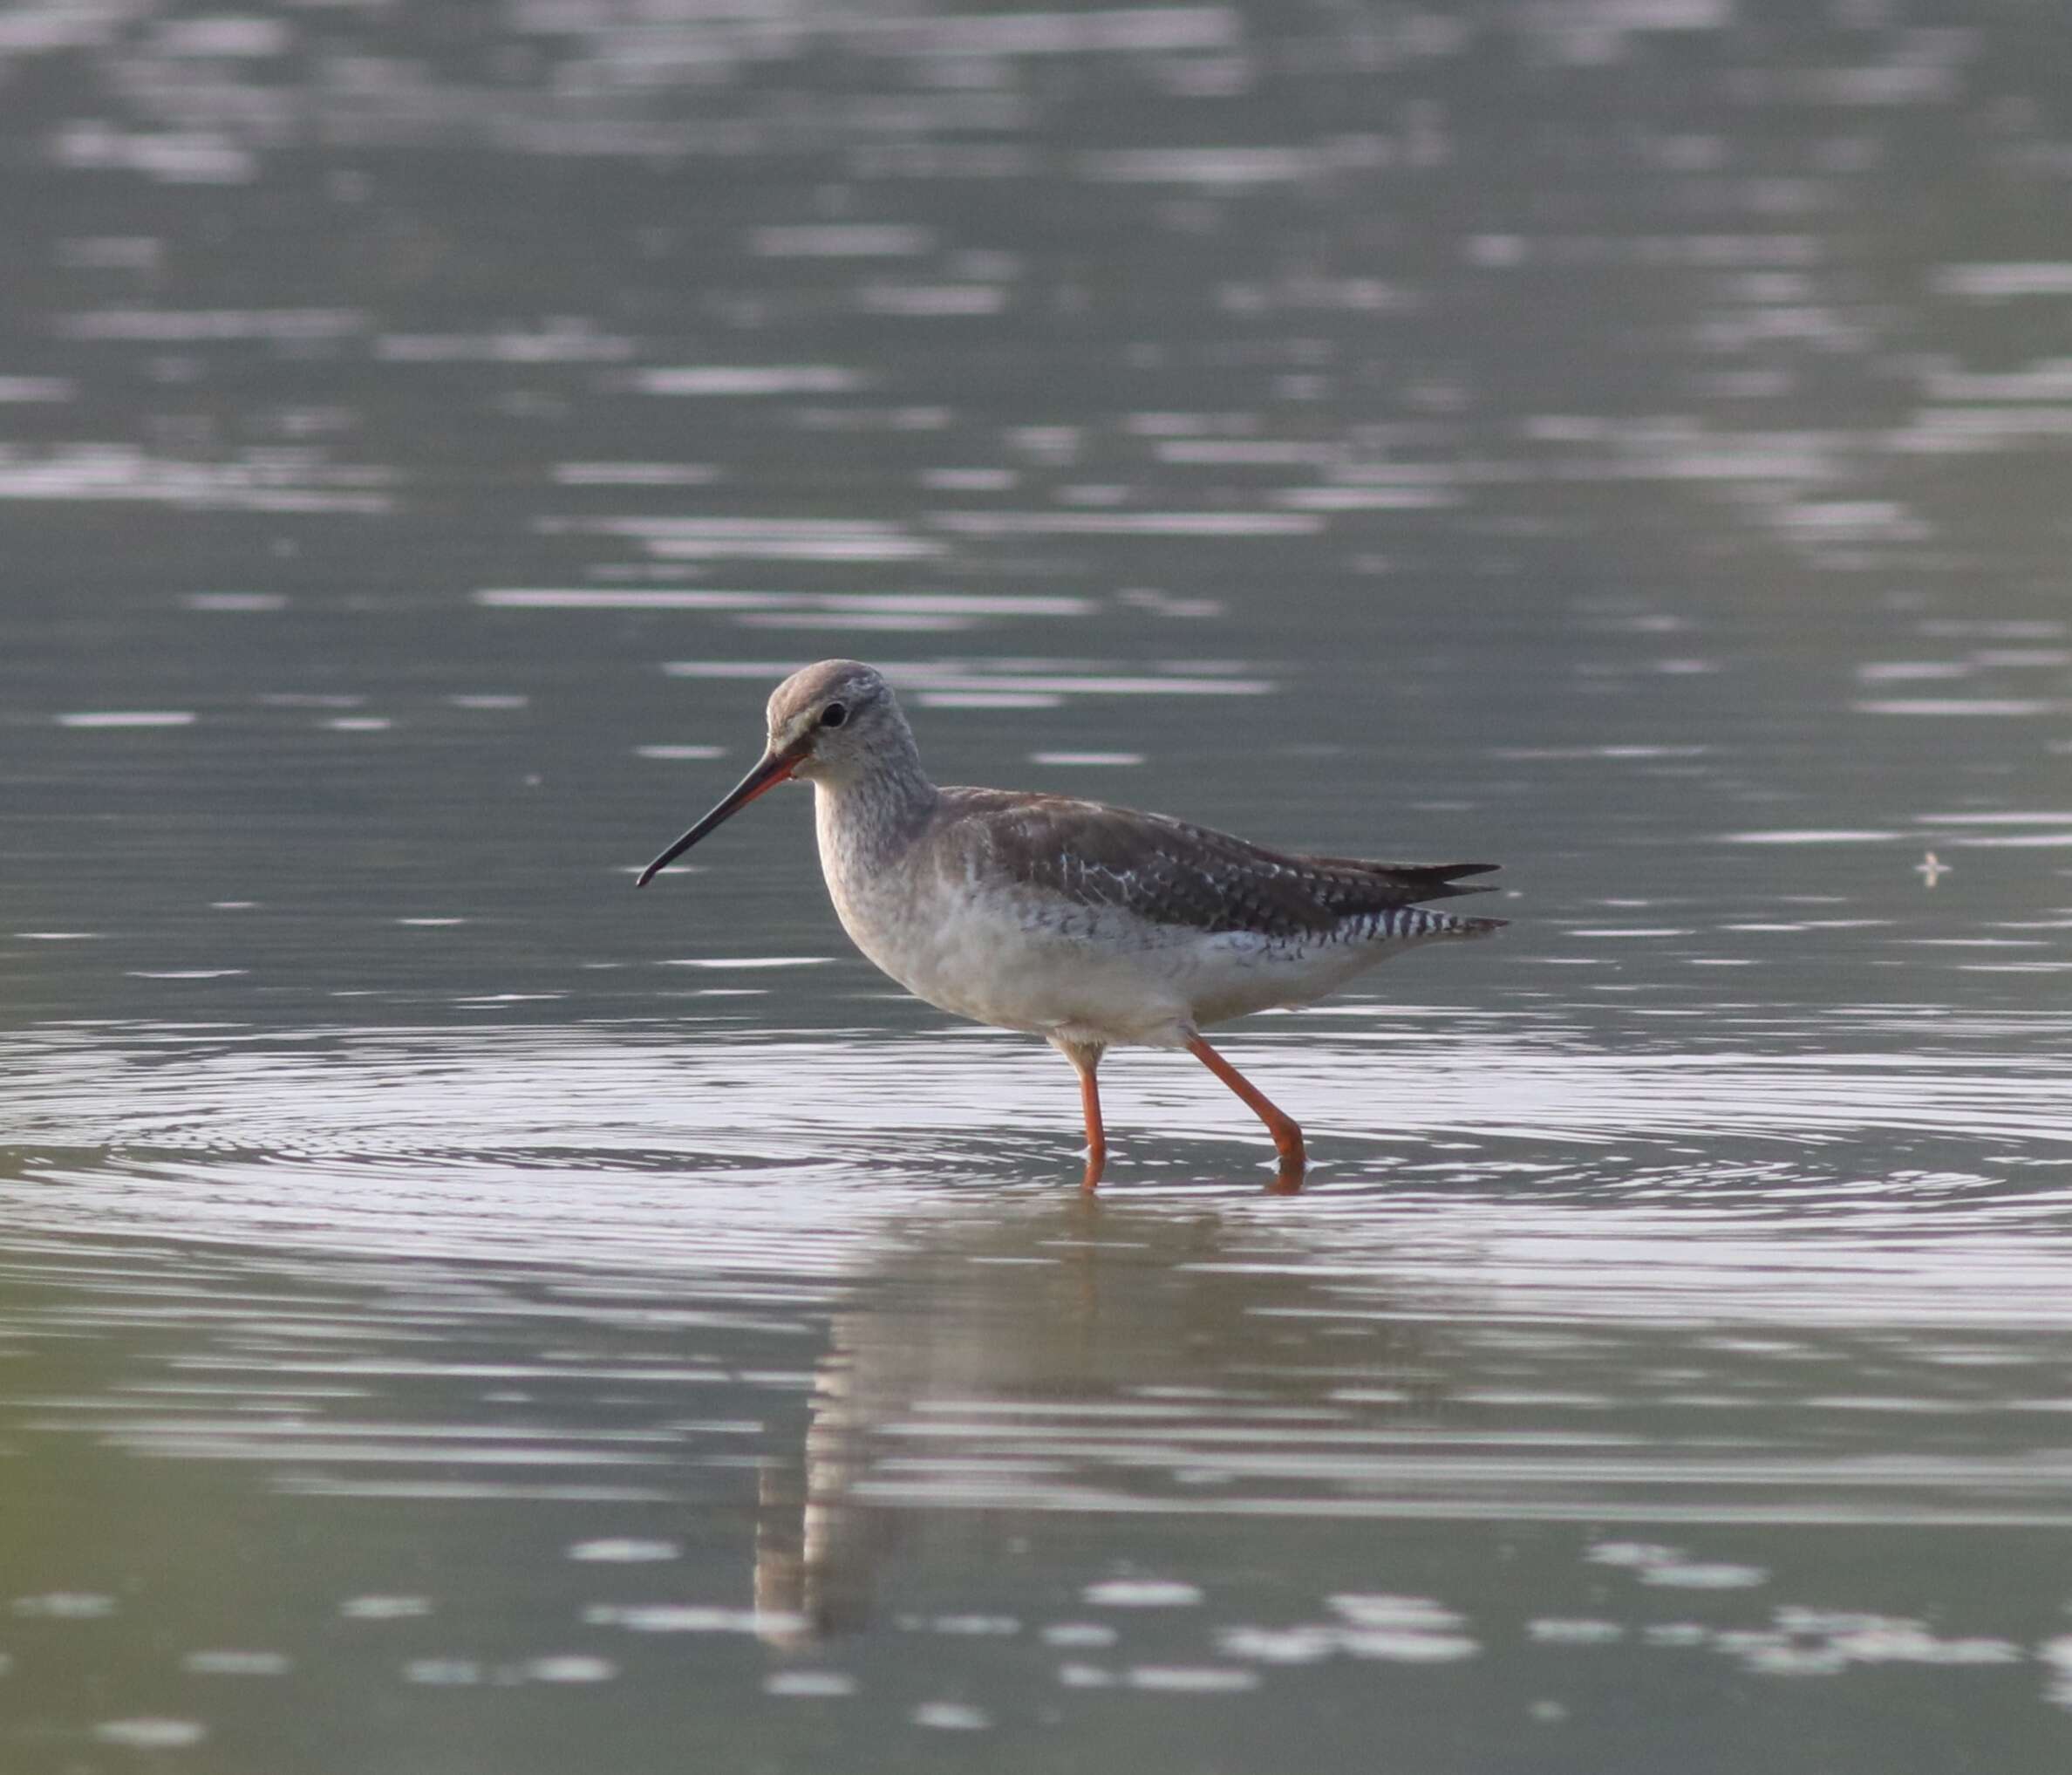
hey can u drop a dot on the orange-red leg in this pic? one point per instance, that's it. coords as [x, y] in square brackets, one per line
[1084, 1060]
[1287, 1137]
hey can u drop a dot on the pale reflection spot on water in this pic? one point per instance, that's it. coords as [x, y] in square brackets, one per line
[443, 1673]
[966, 1625]
[809, 1684]
[1078, 1632]
[1190, 1679]
[624, 1551]
[1703, 1577]
[385, 1607]
[951, 1715]
[237, 1663]
[237, 601]
[1086, 758]
[151, 1734]
[1142, 1593]
[128, 717]
[570, 1668]
[65, 1605]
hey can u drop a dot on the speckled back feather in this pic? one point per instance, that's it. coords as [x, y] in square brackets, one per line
[1169, 872]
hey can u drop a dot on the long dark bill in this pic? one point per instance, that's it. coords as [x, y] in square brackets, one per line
[770, 769]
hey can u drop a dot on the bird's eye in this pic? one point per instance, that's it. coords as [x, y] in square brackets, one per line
[834, 715]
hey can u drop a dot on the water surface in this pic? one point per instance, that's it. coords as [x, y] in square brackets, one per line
[461, 1314]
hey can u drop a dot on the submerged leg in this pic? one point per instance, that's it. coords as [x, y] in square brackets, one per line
[1287, 1137]
[1085, 1057]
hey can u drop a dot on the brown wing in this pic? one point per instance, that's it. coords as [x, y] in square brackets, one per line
[1169, 872]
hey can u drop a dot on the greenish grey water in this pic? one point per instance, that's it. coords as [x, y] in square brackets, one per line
[461, 1315]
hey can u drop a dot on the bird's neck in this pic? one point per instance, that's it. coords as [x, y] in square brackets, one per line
[867, 819]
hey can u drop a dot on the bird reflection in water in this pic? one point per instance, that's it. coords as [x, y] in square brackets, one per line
[1052, 1358]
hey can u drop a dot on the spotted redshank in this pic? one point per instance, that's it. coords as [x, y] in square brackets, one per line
[1087, 925]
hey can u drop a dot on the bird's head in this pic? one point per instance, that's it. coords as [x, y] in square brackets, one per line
[830, 719]
[825, 723]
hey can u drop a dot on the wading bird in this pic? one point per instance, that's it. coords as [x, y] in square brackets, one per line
[1087, 925]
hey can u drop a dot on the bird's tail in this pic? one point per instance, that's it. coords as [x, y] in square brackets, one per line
[1414, 881]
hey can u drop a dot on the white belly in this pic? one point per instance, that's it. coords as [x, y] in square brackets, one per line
[1020, 961]
[999, 962]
